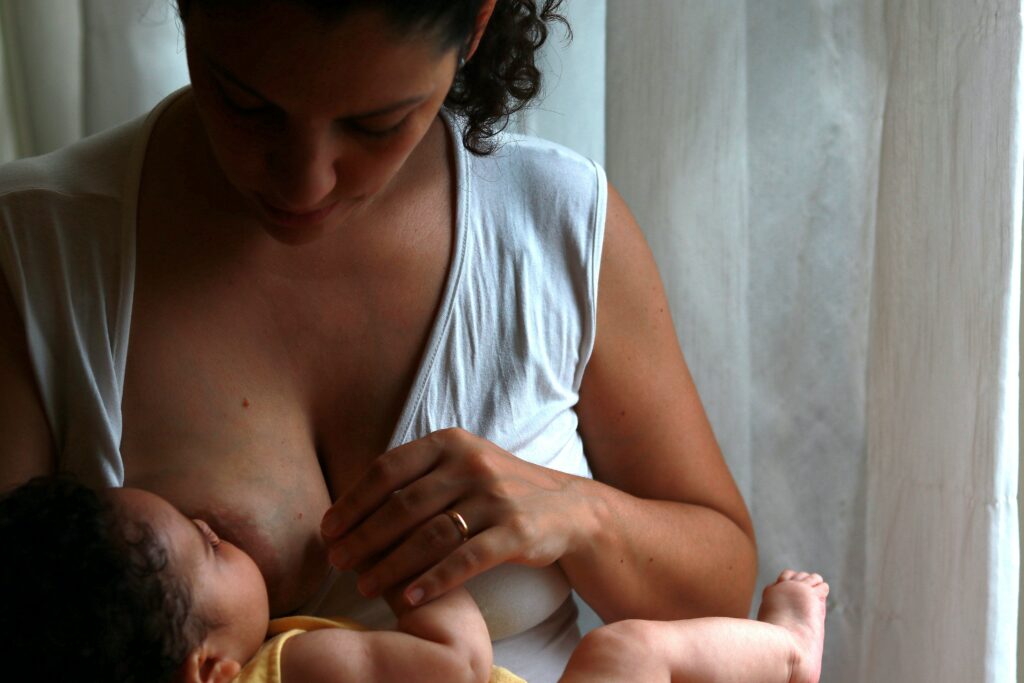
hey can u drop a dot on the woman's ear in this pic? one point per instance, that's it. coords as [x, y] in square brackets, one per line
[203, 666]
[482, 17]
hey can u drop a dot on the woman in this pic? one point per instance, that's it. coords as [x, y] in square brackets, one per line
[315, 266]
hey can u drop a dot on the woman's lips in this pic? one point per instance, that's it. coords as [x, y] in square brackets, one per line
[290, 218]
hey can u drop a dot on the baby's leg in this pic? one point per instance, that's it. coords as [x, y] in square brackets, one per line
[783, 646]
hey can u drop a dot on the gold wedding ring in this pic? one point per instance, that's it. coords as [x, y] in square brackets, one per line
[460, 523]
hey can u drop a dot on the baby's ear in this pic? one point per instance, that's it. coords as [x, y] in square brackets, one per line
[203, 666]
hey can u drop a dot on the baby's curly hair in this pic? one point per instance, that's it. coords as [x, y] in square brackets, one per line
[86, 595]
[501, 79]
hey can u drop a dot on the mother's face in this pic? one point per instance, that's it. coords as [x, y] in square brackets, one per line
[310, 122]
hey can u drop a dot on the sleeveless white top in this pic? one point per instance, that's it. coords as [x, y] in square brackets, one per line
[505, 357]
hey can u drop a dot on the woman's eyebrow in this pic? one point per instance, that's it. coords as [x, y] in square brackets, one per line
[401, 104]
[227, 75]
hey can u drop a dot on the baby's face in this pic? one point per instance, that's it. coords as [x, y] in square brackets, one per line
[226, 584]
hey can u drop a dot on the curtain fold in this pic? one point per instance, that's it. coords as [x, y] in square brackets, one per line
[832, 190]
[10, 147]
[942, 556]
[43, 41]
[74, 68]
[128, 41]
[816, 84]
[879, 141]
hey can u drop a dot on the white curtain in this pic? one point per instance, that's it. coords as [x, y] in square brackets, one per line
[76, 67]
[832, 189]
[943, 363]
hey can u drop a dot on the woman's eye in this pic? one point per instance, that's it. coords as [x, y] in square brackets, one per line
[242, 107]
[379, 134]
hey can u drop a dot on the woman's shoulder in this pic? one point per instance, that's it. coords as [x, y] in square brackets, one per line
[539, 182]
[95, 166]
[526, 162]
[542, 163]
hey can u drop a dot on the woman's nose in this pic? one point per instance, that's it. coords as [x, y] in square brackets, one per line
[302, 170]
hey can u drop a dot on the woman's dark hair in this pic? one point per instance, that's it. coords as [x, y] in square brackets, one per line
[501, 79]
[84, 594]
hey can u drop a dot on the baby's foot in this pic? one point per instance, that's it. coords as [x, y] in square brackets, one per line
[796, 602]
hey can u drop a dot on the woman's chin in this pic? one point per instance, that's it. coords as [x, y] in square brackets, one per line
[296, 230]
[293, 236]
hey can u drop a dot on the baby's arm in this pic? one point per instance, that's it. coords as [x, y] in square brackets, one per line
[443, 640]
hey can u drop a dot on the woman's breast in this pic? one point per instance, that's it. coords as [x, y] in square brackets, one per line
[512, 598]
[265, 507]
[244, 462]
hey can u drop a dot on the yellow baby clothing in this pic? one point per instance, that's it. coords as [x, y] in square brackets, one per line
[265, 666]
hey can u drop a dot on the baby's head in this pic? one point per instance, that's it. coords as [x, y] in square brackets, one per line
[120, 586]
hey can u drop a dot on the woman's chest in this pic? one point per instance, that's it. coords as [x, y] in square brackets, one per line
[254, 411]
[254, 434]
[257, 388]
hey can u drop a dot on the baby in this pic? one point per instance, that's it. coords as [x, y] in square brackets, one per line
[121, 586]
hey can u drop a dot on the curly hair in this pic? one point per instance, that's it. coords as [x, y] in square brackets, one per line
[503, 78]
[500, 80]
[85, 594]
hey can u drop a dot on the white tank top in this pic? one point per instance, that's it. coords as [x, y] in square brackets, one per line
[505, 358]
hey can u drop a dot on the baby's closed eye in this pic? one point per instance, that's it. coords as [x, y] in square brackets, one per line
[210, 534]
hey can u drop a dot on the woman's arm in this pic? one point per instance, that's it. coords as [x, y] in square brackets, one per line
[669, 534]
[443, 640]
[26, 449]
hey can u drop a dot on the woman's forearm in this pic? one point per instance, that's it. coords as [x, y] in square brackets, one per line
[650, 559]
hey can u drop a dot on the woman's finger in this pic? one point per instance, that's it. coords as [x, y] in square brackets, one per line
[472, 558]
[397, 517]
[387, 474]
[425, 547]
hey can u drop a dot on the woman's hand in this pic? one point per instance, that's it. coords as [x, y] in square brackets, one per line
[392, 524]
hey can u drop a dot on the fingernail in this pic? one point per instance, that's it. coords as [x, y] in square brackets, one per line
[414, 595]
[368, 587]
